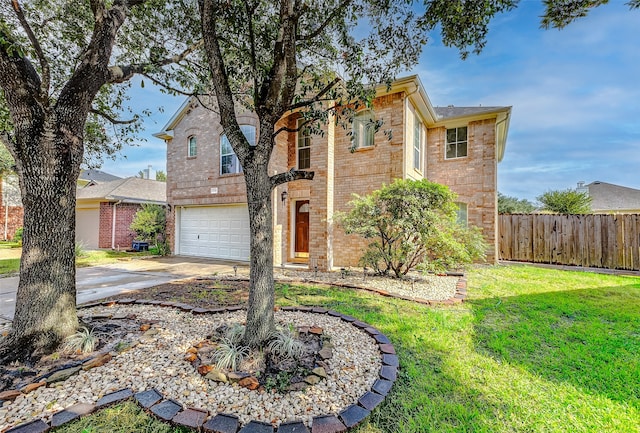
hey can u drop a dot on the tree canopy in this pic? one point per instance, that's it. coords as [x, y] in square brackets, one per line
[508, 204]
[568, 201]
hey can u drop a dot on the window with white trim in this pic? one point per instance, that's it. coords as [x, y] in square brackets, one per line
[456, 143]
[229, 163]
[418, 139]
[364, 129]
[462, 214]
[304, 146]
[192, 148]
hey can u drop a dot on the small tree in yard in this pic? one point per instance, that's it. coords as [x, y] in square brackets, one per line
[150, 223]
[412, 225]
[566, 202]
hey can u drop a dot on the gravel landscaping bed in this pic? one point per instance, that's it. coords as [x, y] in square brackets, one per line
[157, 361]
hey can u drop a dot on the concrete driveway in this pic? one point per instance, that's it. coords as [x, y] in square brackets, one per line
[100, 281]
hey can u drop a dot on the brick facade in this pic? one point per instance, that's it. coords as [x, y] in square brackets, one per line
[125, 212]
[10, 215]
[339, 172]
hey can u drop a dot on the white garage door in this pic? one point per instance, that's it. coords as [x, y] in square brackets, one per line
[88, 227]
[220, 232]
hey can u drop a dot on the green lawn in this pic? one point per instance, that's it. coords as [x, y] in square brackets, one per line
[533, 350]
[88, 258]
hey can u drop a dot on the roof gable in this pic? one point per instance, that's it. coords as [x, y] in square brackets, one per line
[129, 190]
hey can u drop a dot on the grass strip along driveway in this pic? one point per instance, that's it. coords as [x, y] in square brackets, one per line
[532, 350]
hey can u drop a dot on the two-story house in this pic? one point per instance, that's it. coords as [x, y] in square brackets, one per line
[456, 146]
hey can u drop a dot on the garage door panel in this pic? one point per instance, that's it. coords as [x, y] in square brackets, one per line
[216, 232]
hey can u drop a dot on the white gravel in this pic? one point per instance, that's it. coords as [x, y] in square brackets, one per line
[159, 364]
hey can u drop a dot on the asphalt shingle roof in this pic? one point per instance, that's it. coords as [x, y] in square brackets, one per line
[130, 189]
[610, 197]
[97, 176]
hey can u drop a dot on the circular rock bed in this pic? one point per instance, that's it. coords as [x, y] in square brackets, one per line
[153, 371]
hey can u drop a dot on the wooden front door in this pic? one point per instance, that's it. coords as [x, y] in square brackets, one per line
[302, 229]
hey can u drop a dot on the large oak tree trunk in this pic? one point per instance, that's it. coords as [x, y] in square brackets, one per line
[46, 300]
[260, 319]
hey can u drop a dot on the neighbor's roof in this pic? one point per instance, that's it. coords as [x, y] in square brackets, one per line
[97, 176]
[610, 197]
[128, 190]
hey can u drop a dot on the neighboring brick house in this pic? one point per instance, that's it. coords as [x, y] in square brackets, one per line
[611, 198]
[11, 211]
[459, 147]
[105, 211]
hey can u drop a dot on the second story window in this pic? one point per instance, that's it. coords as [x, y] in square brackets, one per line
[192, 149]
[304, 146]
[229, 163]
[456, 146]
[418, 138]
[364, 129]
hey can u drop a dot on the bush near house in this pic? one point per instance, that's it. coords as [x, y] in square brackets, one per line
[149, 224]
[412, 224]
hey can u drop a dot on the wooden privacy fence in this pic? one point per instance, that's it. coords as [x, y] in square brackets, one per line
[602, 241]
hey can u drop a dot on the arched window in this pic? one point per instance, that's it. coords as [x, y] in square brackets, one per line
[364, 129]
[192, 149]
[229, 163]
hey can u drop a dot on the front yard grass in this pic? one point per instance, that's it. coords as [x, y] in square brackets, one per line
[532, 350]
[88, 258]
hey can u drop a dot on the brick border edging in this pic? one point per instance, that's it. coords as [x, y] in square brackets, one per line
[173, 412]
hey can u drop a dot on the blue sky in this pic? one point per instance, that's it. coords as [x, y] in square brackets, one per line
[574, 92]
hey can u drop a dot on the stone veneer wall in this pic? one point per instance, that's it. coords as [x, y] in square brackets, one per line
[473, 178]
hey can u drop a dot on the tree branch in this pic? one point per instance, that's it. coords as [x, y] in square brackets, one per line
[112, 119]
[291, 175]
[325, 23]
[119, 74]
[44, 63]
[318, 96]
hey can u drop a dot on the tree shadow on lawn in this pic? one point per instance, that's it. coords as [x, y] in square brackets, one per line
[589, 338]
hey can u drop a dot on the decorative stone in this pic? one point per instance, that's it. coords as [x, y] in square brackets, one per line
[387, 348]
[148, 398]
[114, 397]
[249, 383]
[388, 372]
[236, 376]
[166, 409]
[32, 386]
[312, 380]
[298, 386]
[221, 423]
[234, 308]
[382, 386]
[69, 414]
[327, 424]
[315, 330]
[190, 357]
[320, 372]
[217, 376]
[151, 332]
[126, 301]
[192, 350]
[199, 310]
[192, 418]
[371, 331]
[204, 369]
[319, 310]
[61, 375]
[333, 313]
[11, 394]
[257, 427]
[326, 353]
[348, 319]
[391, 360]
[360, 324]
[353, 415]
[145, 327]
[37, 426]
[97, 361]
[370, 400]
[293, 427]
[383, 339]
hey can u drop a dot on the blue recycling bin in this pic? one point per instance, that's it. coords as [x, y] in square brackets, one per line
[140, 246]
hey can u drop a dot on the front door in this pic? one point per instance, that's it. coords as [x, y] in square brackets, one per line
[302, 229]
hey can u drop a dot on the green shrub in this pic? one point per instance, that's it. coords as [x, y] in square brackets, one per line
[18, 236]
[412, 224]
[149, 224]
